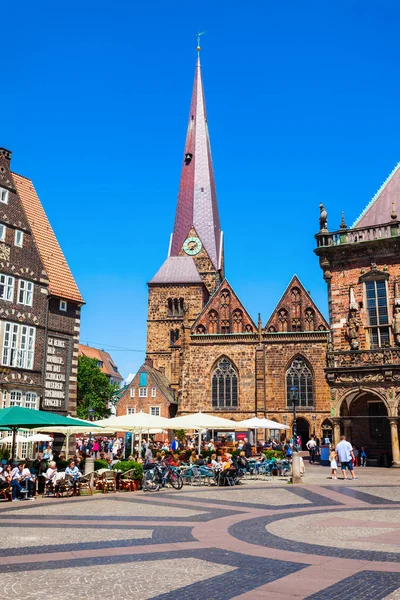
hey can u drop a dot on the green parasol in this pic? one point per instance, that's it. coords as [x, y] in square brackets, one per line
[16, 417]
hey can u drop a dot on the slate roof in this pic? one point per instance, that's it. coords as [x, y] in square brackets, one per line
[108, 367]
[160, 380]
[197, 199]
[379, 209]
[62, 282]
[177, 269]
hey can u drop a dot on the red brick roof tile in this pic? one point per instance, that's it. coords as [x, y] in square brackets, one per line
[62, 282]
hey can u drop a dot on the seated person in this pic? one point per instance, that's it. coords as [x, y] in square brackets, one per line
[73, 472]
[30, 481]
[242, 461]
[199, 462]
[52, 470]
[16, 480]
[212, 461]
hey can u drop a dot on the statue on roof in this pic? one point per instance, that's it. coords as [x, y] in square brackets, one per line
[323, 218]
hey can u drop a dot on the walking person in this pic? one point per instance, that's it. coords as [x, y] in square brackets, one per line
[333, 462]
[356, 454]
[363, 457]
[312, 448]
[345, 454]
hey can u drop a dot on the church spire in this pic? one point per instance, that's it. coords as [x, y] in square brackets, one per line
[197, 200]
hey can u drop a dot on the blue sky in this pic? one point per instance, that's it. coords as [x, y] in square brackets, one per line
[303, 107]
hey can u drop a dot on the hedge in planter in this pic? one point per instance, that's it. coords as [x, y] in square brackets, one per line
[127, 465]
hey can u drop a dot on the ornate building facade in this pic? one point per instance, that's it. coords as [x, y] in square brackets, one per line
[361, 265]
[39, 303]
[215, 357]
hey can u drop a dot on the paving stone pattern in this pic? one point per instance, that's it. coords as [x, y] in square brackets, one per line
[367, 585]
[249, 542]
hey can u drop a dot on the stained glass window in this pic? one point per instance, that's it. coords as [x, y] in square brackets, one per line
[224, 388]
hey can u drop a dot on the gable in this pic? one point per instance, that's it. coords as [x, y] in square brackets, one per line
[296, 312]
[385, 203]
[149, 377]
[223, 314]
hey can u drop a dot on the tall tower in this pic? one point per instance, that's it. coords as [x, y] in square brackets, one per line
[194, 267]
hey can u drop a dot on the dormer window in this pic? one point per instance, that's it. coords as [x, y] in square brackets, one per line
[3, 196]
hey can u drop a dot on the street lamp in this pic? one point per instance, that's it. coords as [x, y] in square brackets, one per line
[91, 412]
[294, 393]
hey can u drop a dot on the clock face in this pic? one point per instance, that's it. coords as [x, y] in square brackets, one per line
[192, 246]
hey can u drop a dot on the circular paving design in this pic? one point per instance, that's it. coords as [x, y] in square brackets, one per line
[372, 530]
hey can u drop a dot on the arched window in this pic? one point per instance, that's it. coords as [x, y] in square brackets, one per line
[296, 324]
[175, 307]
[309, 319]
[300, 376]
[213, 321]
[283, 320]
[200, 329]
[296, 302]
[174, 336]
[271, 329]
[248, 328]
[237, 319]
[224, 384]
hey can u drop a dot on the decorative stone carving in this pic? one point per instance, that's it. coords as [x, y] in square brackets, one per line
[396, 324]
[4, 252]
[323, 218]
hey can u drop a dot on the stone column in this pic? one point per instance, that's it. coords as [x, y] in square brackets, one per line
[395, 441]
[336, 430]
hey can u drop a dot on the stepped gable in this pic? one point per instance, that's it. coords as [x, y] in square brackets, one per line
[223, 314]
[385, 202]
[197, 199]
[296, 312]
[62, 282]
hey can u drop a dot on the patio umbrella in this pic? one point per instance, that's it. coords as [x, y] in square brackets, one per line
[17, 417]
[19, 439]
[200, 421]
[257, 423]
[136, 423]
[40, 437]
[72, 428]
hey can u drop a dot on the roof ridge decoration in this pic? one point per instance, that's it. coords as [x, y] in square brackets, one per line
[375, 198]
[197, 200]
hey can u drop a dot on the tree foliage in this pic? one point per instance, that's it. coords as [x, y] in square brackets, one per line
[94, 390]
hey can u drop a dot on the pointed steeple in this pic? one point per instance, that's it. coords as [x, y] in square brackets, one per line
[197, 200]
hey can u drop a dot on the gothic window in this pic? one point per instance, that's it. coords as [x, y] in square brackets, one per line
[174, 336]
[237, 320]
[309, 319]
[321, 328]
[300, 376]
[271, 329]
[248, 328]
[378, 318]
[213, 321]
[296, 302]
[224, 383]
[200, 329]
[283, 320]
[296, 325]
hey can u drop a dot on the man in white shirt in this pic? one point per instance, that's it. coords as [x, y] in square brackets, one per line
[345, 454]
[312, 448]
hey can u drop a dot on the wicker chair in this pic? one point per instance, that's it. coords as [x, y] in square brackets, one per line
[5, 491]
[107, 481]
[126, 480]
[87, 483]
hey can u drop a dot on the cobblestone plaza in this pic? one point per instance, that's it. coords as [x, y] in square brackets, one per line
[260, 540]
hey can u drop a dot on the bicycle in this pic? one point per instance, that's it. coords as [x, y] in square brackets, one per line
[159, 475]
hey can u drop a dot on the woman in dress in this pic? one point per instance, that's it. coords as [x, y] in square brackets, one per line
[333, 461]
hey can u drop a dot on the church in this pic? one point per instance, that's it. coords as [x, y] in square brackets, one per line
[206, 352]
[200, 338]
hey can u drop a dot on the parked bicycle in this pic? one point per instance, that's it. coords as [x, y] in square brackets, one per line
[158, 475]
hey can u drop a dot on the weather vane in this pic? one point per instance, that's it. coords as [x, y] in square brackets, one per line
[198, 39]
